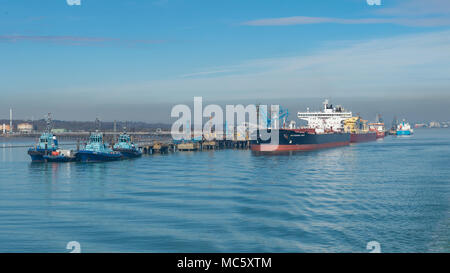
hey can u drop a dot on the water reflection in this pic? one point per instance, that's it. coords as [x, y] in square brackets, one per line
[327, 200]
[66, 172]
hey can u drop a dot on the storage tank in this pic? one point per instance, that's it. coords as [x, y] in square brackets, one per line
[25, 127]
[4, 128]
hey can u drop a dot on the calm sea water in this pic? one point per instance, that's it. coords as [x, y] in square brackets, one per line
[395, 191]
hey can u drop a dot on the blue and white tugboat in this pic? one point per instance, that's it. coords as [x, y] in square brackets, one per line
[126, 147]
[46, 145]
[96, 150]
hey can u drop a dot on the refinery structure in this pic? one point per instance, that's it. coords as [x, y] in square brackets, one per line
[8, 128]
[21, 128]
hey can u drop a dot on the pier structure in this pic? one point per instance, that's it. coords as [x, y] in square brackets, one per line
[170, 146]
[160, 142]
[204, 142]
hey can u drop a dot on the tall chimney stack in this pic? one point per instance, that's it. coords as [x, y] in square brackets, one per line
[10, 120]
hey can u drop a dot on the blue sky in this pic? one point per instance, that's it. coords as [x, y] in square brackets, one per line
[93, 59]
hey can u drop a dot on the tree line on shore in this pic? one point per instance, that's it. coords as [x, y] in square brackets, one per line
[76, 126]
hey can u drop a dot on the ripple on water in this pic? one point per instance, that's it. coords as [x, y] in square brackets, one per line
[394, 191]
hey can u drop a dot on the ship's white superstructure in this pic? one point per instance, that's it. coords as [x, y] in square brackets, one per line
[328, 119]
[404, 128]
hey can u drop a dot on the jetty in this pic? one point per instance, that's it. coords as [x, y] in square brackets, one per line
[190, 146]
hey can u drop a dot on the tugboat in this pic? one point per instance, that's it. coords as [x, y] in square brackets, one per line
[46, 145]
[126, 147]
[404, 129]
[96, 150]
[393, 130]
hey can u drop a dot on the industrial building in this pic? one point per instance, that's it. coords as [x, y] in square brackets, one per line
[25, 128]
[4, 128]
[59, 130]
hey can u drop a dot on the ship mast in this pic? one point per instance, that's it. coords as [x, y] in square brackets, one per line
[49, 123]
[97, 124]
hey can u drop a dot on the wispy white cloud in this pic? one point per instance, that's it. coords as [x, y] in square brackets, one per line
[417, 7]
[398, 66]
[304, 20]
[417, 13]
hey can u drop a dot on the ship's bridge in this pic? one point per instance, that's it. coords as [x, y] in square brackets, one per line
[328, 119]
[305, 115]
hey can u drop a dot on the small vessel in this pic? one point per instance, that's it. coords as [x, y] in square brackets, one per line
[61, 156]
[46, 145]
[97, 151]
[404, 129]
[378, 127]
[324, 130]
[126, 147]
[394, 124]
[359, 130]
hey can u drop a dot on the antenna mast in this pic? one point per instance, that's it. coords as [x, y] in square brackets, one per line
[97, 124]
[49, 122]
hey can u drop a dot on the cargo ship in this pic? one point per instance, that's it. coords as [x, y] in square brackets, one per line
[324, 130]
[404, 129]
[359, 130]
[126, 147]
[97, 151]
[47, 144]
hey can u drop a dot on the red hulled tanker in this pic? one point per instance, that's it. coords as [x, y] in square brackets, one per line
[301, 140]
[325, 130]
[363, 137]
[359, 130]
